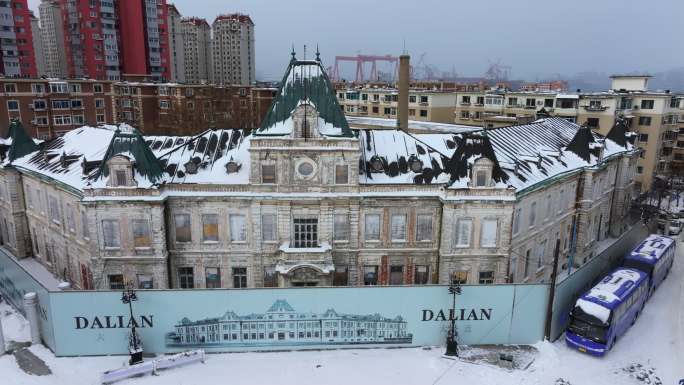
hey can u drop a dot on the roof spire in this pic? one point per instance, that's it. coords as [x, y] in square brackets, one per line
[22, 144]
[304, 51]
[318, 54]
[293, 54]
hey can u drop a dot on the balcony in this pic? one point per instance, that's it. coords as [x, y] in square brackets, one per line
[465, 103]
[530, 107]
[478, 104]
[595, 108]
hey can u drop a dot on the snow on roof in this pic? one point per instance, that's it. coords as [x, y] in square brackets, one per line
[214, 157]
[361, 122]
[567, 96]
[72, 158]
[305, 82]
[652, 248]
[612, 290]
[532, 153]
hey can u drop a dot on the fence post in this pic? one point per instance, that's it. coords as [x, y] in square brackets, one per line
[31, 308]
[3, 349]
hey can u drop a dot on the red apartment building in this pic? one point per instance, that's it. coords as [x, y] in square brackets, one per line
[17, 55]
[144, 38]
[101, 47]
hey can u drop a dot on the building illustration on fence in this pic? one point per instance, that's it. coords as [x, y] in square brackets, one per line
[282, 325]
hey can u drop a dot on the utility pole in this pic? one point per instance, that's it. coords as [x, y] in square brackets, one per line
[552, 291]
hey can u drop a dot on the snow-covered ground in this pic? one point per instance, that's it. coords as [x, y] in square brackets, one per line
[655, 341]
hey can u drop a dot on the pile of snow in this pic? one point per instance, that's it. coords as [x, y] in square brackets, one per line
[644, 374]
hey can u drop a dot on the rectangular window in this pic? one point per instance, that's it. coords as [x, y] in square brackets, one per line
[213, 277]
[370, 275]
[481, 179]
[489, 230]
[644, 120]
[486, 277]
[341, 174]
[99, 103]
[110, 230]
[268, 227]
[341, 277]
[396, 275]
[76, 104]
[533, 213]
[341, 227]
[120, 178]
[239, 277]
[305, 232]
[186, 278]
[10, 88]
[84, 225]
[71, 221]
[459, 278]
[399, 227]
[145, 281]
[647, 104]
[182, 222]
[423, 113]
[238, 229]
[270, 279]
[372, 227]
[421, 276]
[116, 282]
[268, 173]
[13, 105]
[592, 122]
[540, 254]
[463, 230]
[424, 227]
[210, 228]
[528, 262]
[516, 220]
[163, 104]
[141, 233]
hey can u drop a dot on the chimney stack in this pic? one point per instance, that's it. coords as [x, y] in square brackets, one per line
[402, 111]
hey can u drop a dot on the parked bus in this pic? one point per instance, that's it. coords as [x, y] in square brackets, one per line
[606, 311]
[654, 256]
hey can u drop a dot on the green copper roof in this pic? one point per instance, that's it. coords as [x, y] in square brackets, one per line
[22, 144]
[305, 81]
[132, 144]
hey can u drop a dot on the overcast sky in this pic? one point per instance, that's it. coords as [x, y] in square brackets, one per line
[537, 38]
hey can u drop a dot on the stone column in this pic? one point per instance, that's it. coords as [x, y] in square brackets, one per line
[31, 308]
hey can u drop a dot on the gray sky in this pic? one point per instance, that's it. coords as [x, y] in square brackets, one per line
[537, 38]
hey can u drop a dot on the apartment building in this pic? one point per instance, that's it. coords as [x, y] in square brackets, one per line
[144, 44]
[36, 33]
[427, 106]
[655, 115]
[233, 49]
[175, 109]
[197, 47]
[303, 200]
[49, 108]
[176, 45]
[52, 38]
[17, 53]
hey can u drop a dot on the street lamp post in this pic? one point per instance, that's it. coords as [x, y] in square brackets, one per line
[134, 344]
[452, 334]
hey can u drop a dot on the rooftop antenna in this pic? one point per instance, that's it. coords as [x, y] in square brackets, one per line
[318, 54]
[304, 51]
[293, 52]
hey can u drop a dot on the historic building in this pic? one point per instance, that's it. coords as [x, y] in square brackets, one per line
[305, 200]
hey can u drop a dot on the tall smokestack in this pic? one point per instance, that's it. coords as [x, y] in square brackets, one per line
[402, 113]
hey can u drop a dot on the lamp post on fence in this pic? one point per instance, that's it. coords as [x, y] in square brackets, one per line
[452, 334]
[134, 343]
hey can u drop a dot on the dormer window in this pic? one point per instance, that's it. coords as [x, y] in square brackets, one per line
[481, 175]
[120, 172]
[120, 178]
